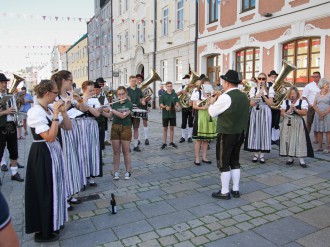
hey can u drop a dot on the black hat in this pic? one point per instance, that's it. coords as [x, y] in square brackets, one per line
[139, 76]
[23, 88]
[202, 76]
[100, 80]
[186, 76]
[97, 85]
[231, 76]
[273, 72]
[3, 77]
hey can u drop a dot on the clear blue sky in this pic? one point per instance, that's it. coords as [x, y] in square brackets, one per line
[24, 31]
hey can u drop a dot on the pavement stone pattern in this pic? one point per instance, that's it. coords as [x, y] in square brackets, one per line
[168, 202]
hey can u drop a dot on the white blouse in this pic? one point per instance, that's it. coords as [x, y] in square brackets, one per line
[304, 104]
[37, 118]
[253, 92]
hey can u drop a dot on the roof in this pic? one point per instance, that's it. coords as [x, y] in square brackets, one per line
[63, 48]
[77, 42]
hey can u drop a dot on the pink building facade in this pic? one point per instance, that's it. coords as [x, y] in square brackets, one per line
[253, 36]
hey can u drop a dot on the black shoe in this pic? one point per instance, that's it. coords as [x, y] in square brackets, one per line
[19, 166]
[289, 162]
[4, 168]
[303, 165]
[139, 142]
[173, 145]
[0, 182]
[197, 163]
[190, 140]
[235, 193]
[262, 160]
[163, 146]
[17, 178]
[70, 208]
[273, 142]
[277, 142]
[221, 196]
[207, 161]
[77, 201]
[255, 159]
[137, 149]
[40, 239]
[182, 140]
[146, 142]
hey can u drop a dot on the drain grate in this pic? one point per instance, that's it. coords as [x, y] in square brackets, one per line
[88, 198]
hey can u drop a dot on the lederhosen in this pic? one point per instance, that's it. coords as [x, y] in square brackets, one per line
[276, 114]
[187, 116]
[8, 135]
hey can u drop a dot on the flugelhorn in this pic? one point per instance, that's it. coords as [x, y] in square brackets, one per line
[208, 99]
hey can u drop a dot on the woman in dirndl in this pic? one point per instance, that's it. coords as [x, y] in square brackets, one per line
[258, 138]
[45, 190]
[70, 139]
[88, 130]
[205, 127]
[294, 138]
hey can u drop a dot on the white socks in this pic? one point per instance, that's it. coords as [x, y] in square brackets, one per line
[190, 130]
[225, 179]
[145, 132]
[301, 160]
[235, 176]
[183, 131]
[13, 170]
[275, 134]
[136, 142]
[106, 135]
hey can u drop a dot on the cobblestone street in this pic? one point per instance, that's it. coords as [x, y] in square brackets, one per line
[168, 202]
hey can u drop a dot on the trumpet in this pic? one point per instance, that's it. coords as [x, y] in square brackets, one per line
[208, 99]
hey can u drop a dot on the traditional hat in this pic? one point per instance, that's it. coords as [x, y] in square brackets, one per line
[3, 77]
[273, 72]
[231, 76]
[202, 76]
[100, 80]
[186, 76]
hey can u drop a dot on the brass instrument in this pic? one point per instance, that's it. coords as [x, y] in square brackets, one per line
[16, 101]
[246, 87]
[189, 88]
[208, 99]
[280, 85]
[146, 90]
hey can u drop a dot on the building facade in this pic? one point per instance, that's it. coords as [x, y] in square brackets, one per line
[100, 39]
[255, 36]
[77, 58]
[58, 58]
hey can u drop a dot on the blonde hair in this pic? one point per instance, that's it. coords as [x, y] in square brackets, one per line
[293, 89]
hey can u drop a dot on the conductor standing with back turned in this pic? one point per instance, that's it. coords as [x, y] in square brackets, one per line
[232, 109]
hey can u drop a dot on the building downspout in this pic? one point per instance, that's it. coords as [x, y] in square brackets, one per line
[111, 32]
[196, 35]
[154, 54]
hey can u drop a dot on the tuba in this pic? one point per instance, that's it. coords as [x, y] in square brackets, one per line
[16, 101]
[146, 90]
[185, 98]
[246, 87]
[280, 85]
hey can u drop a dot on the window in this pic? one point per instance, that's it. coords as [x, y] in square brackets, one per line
[119, 43]
[248, 62]
[164, 70]
[179, 17]
[165, 22]
[126, 40]
[141, 32]
[178, 69]
[125, 76]
[213, 68]
[305, 55]
[248, 5]
[126, 5]
[213, 10]
[119, 7]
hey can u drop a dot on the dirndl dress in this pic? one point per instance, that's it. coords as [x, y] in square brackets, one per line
[205, 126]
[45, 189]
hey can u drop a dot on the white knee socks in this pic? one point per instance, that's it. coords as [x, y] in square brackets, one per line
[145, 132]
[235, 176]
[183, 131]
[190, 130]
[225, 179]
[13, 170]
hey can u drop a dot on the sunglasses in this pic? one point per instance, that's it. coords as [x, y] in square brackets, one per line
[261, 78]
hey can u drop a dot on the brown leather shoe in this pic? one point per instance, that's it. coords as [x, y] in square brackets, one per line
[17, 177]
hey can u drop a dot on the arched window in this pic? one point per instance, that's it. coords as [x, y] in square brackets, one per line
[248, 62]
[305, 54]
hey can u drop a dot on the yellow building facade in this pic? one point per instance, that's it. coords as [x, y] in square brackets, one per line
[77, 59]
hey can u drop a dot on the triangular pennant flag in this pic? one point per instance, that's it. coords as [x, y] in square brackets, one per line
[161, 21]
[68, 18]
[44, 17]
[142, 21]
[122, 20]
[152, 21]
[79, 19]
[169, 21]
[56, 18]
[133, 20]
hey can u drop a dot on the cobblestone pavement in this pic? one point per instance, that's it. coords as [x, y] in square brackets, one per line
[168, 202]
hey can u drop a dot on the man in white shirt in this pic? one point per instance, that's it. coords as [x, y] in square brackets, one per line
[310, 90]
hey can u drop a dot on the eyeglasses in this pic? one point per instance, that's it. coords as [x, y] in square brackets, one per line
[53, 92]
[261, 78]
[121, 94]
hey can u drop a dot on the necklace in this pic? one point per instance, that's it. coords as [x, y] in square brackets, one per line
[45, 108]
